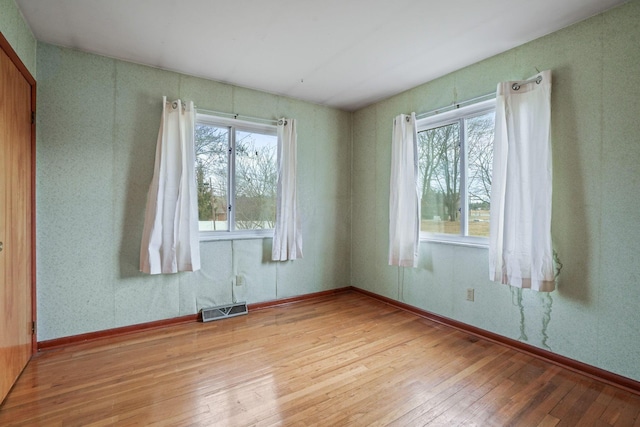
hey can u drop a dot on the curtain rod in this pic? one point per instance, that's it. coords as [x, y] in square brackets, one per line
[456, 105]
[485, 97]
[516, 85]
[238, 116]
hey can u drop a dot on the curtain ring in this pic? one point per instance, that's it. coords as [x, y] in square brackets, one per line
[516, 86]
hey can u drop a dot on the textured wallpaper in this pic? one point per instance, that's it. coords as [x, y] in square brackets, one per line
[98, 121]
[593, 316]
[17, 32]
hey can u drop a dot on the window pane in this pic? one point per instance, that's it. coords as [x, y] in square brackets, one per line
[212, 164]
[256, 180]
[439, 163]
[480, 131]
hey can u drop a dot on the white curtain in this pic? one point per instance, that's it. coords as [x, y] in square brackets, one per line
[287, 236]
[520, 249]
[404, 196]
[170, 241]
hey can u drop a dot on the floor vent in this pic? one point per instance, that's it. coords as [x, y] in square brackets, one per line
[224, 311]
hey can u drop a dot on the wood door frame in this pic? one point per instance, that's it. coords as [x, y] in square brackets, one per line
[15, 59]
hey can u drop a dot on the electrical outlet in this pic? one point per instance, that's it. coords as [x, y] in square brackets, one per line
[470, 293]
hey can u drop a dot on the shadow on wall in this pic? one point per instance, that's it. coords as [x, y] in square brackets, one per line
[569, 223]
[139, 153]
[425, 259]
[267, 245]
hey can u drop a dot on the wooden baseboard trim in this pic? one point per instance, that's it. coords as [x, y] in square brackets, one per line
[125, 330]
[571, 364]
[58, 343]
[299, 298]
[590, 371]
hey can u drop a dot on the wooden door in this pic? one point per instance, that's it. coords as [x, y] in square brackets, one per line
[17, 93]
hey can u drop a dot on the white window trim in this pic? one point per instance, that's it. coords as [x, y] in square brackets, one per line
[443, 119]
[232, 233]
[208, 236]
[455, 239]
[223, 121]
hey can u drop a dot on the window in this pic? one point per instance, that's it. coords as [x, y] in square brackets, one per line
[455, 155]
[236, 173]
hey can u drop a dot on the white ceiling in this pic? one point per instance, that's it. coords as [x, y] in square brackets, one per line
[342, 53]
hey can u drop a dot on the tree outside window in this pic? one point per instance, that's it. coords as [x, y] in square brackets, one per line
[236, 173]
[455, 158]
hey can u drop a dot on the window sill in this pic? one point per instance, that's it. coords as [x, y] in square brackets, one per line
[468, 241]
[210, 236]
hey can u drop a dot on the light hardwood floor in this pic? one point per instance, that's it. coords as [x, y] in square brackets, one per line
[340, 360]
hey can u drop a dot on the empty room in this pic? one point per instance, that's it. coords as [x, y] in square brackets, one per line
[356, 212]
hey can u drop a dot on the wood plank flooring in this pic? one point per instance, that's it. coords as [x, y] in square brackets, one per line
[340, 360]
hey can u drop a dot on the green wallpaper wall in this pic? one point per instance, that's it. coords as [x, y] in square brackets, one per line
[18, 34]
[98, 121]
[594, 314]
[97, 125]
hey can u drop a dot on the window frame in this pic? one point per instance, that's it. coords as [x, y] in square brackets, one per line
[458, 115]
[234, 125]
